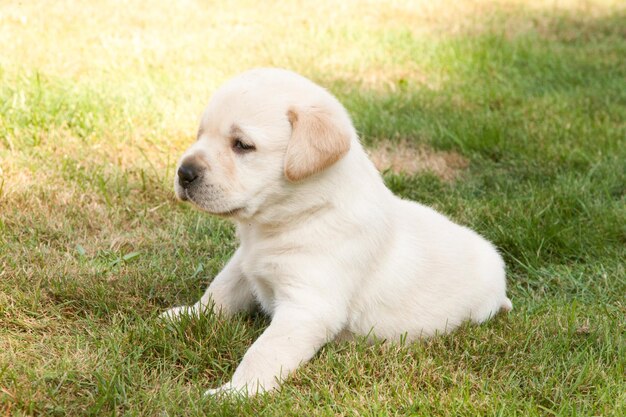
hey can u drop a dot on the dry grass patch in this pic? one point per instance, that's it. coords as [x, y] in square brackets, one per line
[404, 157]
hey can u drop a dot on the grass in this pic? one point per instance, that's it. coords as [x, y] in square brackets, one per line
[98, 99]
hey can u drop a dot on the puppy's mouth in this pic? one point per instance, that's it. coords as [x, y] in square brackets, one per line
[228, 213]
[184, 196]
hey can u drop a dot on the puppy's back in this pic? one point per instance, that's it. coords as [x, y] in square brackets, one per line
[436, 275]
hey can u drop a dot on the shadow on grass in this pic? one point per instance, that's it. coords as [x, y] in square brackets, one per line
[540, 116]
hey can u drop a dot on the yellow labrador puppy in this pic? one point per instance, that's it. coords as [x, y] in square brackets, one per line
[326, 249]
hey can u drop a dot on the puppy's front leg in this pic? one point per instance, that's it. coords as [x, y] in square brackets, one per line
[229, 291]
[293, 337]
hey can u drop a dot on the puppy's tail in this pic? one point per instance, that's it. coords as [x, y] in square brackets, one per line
[506, 305]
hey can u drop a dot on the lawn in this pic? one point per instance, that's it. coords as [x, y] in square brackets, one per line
[523, 104]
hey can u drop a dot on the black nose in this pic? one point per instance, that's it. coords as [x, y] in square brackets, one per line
[187, 173]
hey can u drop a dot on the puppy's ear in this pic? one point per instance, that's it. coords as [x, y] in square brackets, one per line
[318, 140]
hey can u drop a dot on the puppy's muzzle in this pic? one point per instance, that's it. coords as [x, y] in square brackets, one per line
[189, 171]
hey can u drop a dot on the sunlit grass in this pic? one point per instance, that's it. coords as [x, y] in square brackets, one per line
[98, 100]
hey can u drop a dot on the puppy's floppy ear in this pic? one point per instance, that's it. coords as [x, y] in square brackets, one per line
[318, 140]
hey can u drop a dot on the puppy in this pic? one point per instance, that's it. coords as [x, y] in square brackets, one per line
[325, 248]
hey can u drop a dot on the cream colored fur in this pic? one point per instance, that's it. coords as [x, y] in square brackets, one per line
[325, 248]
[317, 141]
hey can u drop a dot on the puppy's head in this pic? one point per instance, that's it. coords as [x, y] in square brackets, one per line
[263, 133]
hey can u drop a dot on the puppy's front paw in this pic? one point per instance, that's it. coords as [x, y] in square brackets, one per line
[235, 390]
[227, 389]
[174, 313]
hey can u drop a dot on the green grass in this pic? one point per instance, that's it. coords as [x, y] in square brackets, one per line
[98, 100]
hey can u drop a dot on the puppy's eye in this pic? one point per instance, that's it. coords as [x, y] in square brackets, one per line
[242, 147]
